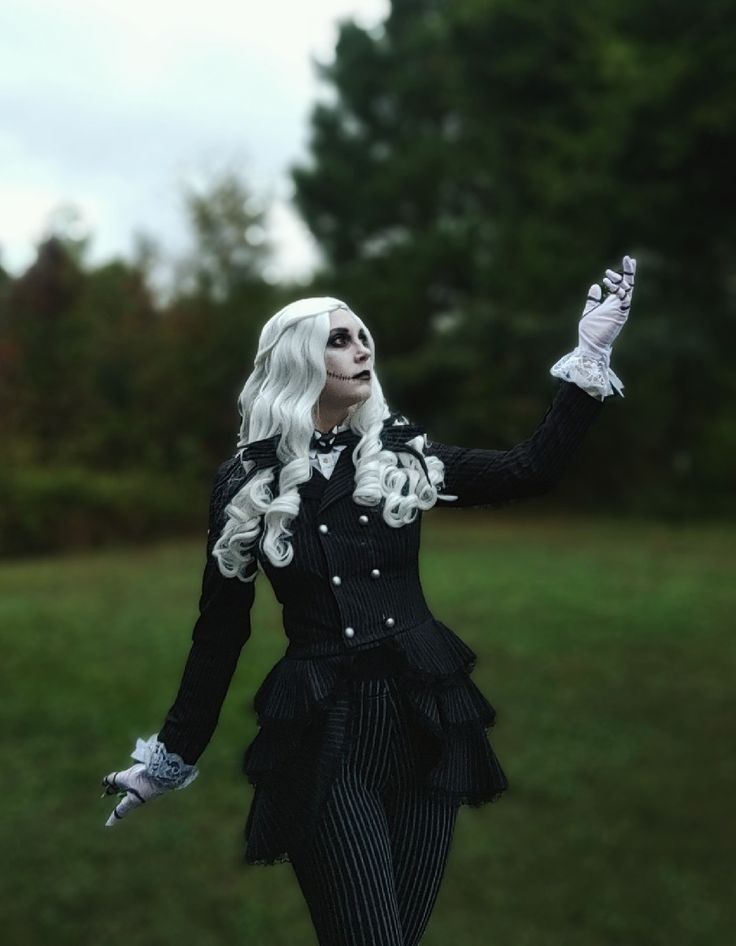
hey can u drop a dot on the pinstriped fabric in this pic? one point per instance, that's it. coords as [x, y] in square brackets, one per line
[495, 478]
[445, 715]
[351, 591]
[372, 871]
[219, 634]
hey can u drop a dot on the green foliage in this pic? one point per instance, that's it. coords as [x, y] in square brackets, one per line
[231, 244]
[118, 405]
[480, 163]
[50, 508]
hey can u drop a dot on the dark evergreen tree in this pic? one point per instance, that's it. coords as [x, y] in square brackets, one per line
[481, 162]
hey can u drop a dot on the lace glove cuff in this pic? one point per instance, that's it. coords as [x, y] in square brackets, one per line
[591, 373]
[166, 769]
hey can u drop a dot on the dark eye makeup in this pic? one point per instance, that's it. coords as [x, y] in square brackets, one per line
[341, 334]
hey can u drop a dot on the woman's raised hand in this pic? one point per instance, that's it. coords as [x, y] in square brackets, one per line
[603, 319]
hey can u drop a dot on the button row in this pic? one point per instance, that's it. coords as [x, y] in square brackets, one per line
[336, 580]
[324, 528]
[350, 631]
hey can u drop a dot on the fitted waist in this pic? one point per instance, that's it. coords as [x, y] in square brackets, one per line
[350, 613]
[332, 642]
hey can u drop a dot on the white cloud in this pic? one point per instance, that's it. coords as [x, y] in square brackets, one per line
[107, 105]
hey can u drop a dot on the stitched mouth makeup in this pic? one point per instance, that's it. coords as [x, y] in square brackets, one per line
[364, 375]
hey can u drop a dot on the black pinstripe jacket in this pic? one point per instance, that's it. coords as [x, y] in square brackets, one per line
[353, 579]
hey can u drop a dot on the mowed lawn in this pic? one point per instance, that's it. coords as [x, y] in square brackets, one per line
[608, 649]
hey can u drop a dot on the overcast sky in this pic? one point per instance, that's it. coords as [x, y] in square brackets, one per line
[109, 104]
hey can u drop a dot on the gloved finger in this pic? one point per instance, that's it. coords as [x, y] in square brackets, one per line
[131, 800]
[619, 281]
[619, 290]
[121, 781]
[114, 783]
[629, 270]
[594, 298]
[609, 286]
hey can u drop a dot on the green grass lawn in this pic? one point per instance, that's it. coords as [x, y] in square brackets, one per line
[607, 649]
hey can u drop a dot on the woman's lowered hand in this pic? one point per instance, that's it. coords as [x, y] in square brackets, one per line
[156, 771]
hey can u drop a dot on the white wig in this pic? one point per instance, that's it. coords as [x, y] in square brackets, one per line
[280, 397]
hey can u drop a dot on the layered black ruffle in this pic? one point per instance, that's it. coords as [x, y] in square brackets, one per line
[303, 708]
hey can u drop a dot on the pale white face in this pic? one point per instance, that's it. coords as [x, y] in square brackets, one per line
[346, 355]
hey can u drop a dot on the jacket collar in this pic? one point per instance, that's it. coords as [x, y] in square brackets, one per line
[341, 480]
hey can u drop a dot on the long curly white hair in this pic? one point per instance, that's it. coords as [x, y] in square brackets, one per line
[280, 397]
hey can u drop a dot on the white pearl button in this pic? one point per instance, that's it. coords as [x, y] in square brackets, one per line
[363, 520]
[375, 573]
[323, 528]
[336, 580]
[349, 632]
[390, 622]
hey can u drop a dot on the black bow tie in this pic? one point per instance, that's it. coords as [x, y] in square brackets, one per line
[322, 443]
[325, 443]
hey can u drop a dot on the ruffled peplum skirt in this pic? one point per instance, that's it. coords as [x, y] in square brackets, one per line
[304, 709]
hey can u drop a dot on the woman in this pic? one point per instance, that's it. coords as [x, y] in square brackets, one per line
[371, 732]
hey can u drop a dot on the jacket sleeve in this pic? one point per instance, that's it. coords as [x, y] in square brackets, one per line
[221, 630]
[481, 477]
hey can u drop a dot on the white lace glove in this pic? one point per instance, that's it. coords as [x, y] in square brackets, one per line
[157, 771]
[589, 364]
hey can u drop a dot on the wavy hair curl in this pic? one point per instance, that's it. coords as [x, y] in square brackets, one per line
[280, 397]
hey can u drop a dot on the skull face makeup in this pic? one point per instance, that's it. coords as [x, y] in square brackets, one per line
[349, 364]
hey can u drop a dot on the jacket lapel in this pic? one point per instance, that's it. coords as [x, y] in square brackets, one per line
[314, 486]
[342, 478]
[341, 481]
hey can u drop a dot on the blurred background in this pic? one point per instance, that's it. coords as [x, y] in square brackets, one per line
[460, 173]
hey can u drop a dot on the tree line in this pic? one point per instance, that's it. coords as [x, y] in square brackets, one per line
[478, 165]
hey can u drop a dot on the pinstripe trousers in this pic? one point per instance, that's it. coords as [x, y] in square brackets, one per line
[371, 871]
